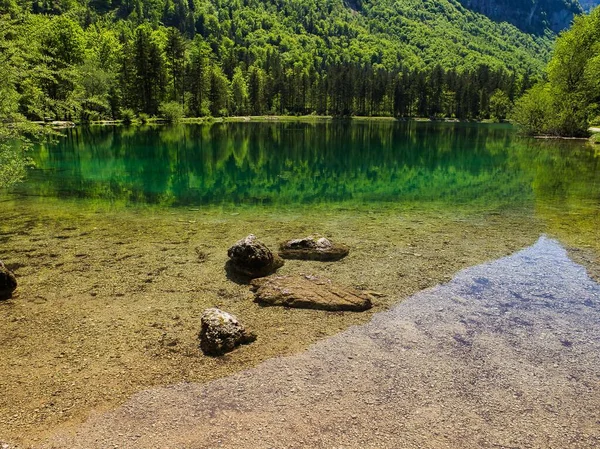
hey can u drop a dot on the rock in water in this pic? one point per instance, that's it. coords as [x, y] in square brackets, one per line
[252, 258]
[221, 332]
[308, 292]
[8, 282]
[313, 247]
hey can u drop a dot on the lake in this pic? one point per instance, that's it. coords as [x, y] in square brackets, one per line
[119, 236]
[313, 163]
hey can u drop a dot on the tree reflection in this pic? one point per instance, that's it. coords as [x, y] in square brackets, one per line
[307, 163]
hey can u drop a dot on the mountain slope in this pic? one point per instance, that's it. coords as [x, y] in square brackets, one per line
[115, 58]
[444, 32]
[417, 32]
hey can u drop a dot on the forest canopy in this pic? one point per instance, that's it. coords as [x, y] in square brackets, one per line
[113, 59]
[565, 104]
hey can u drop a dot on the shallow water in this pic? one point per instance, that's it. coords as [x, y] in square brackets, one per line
[365, 165]
[505, 355]
[293, 169]
[119, 238]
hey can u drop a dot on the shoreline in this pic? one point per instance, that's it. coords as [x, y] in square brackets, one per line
[65, 124]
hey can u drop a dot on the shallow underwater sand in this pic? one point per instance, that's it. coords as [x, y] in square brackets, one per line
[109, 299]
[505, 355]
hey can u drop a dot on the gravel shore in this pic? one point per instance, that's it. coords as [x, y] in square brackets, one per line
[505, 355]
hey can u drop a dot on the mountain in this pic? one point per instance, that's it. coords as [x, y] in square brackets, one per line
[416, 33]
[96, 59]
[531, 16]
[588, 5]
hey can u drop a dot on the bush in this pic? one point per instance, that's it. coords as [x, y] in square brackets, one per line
[128, 116]
[12, 164]
[144, 118]
[533, 112]
[172, 111]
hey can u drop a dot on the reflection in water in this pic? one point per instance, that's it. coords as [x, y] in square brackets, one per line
[291, 163]
[481, 166]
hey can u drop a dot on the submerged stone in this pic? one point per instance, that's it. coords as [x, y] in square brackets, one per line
[308, 292]
[8, 282]
[221, 332]
[250, 257]
[313, 247]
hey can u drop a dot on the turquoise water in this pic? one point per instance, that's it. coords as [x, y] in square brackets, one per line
[307, 163]
[119, 238]
[327, 164]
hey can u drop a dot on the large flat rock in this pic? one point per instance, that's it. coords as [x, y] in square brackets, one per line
[308, 292]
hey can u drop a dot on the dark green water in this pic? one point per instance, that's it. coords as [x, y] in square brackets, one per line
[308, 163]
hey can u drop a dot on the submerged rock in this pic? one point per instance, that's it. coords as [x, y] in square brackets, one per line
[250, 257]
[308, 292]
[221, 332]
[8, 282]
[313, 247]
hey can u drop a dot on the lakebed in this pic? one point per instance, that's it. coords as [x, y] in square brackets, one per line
[111, 286]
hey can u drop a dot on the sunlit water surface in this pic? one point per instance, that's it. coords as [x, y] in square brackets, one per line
[119, 236]
[361, 166]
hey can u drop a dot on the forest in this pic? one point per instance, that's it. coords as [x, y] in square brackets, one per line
[114, 59]
[569, 100]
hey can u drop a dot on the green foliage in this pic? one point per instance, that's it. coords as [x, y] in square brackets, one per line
[16, 139]
[172, 112]
[89, 60]
[500, 105]
[12, 164]
[127, 116]
[14, 130]
[571, 98]
[239, 93]
[533, 111]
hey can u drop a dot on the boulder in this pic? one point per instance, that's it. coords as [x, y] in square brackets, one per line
[313, 247]
[221, 332]
[8, 282]
[250, 257]
[308, 292]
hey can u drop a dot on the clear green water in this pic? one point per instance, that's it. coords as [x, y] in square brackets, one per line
[307, 163]
[135, 223]
[332, 164]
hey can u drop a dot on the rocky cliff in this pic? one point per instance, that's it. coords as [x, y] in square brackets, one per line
[532, 16]
[588, 5]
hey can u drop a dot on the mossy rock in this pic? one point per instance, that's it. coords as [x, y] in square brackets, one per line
[313, 247]
[251, 258]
